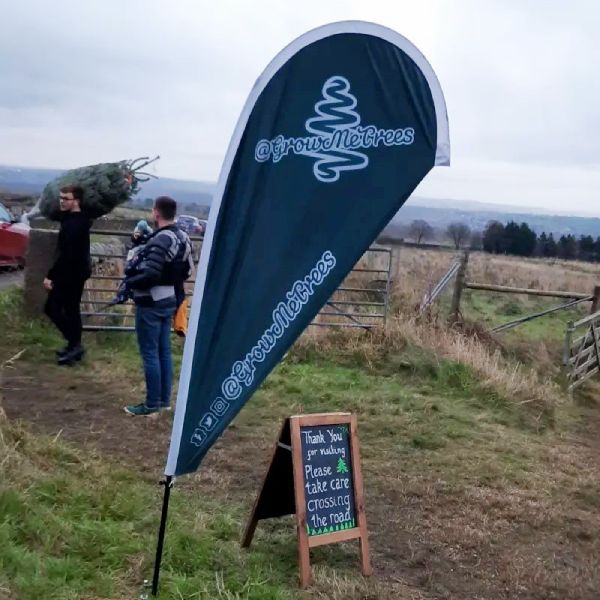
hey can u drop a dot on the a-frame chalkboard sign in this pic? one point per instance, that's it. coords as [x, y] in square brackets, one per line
[315, 474]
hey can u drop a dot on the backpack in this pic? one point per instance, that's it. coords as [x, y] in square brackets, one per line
[179, 268]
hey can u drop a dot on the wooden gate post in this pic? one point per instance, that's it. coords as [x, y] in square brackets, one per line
[567, 344]
[595, 300]
[458, 287]
[395, 262]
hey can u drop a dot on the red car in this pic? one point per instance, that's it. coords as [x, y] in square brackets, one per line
[14, 237]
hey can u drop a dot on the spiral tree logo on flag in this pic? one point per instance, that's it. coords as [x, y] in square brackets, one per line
[337, 135]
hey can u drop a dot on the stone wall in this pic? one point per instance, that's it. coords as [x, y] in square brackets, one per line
[40, 257]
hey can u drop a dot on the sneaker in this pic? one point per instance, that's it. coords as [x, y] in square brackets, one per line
[71, 356]
[141, 410]
[165, 407]
[61, 352]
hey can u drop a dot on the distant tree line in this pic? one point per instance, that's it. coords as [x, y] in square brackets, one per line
[521, 240]
[513, 238]
[458, 233]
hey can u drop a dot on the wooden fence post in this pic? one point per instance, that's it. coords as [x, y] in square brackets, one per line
[595, 300]
[395, 261]
[458, 287]
[567, 344]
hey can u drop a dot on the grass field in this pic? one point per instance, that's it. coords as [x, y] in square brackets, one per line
[543, 337]
[481, 476]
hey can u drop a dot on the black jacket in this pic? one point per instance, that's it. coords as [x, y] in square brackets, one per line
[73, 249]
[166, 259]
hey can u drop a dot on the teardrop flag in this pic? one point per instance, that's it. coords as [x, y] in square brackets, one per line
[337, 132]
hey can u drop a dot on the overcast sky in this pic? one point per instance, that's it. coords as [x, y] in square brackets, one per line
[102, 80]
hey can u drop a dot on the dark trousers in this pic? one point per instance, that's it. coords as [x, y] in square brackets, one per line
[62, 308]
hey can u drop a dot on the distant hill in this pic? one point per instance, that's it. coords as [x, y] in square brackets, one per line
[479, 214]
[476, 206]
[438, 212]
[32, 181]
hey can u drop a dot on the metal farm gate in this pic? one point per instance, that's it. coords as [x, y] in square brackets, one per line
[360, 302]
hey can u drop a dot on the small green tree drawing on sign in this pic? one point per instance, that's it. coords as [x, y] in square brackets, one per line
[341, 466]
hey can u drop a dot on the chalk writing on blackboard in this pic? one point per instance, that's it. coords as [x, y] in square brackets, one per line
[328, 486]
[315, 473]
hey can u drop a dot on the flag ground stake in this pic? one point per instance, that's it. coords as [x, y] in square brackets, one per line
[168, 483]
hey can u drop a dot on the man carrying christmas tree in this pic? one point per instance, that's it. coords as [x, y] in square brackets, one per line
[160, 269]
[66, 278]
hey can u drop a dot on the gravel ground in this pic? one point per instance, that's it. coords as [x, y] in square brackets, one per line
[10, 279]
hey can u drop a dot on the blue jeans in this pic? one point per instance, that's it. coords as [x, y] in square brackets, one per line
[153, 326]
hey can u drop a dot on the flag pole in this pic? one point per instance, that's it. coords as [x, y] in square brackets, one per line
[168, 483]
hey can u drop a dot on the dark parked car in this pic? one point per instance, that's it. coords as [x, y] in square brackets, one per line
[191, 225]
[14, 238]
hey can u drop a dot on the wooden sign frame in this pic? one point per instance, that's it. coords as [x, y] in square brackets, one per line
[286, 467]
